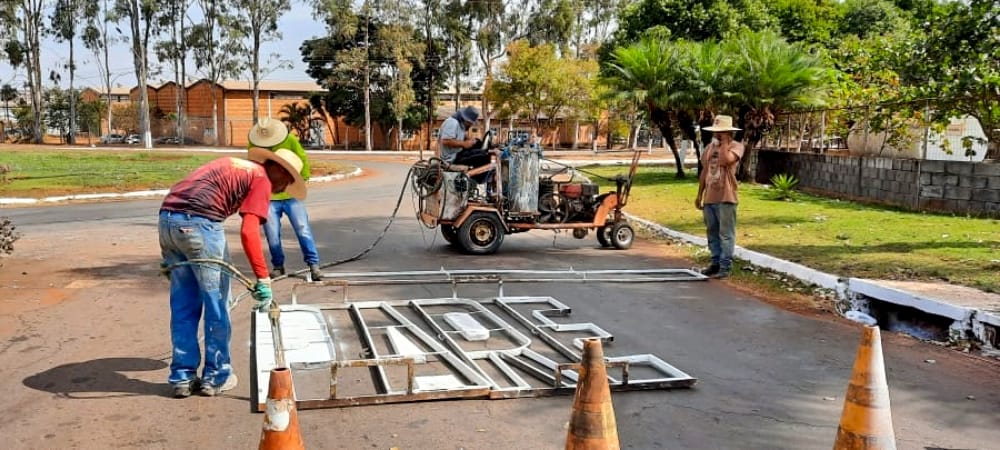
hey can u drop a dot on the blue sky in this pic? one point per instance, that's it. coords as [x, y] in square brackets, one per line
[296, 26]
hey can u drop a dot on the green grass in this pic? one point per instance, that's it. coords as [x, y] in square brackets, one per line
[40, 173]
[839, 237]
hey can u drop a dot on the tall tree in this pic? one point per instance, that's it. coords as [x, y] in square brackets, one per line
[7, 93]
[65, 22]
[98, 40]
[399, 39]
[256, 22]
[141, 16]
[494, 24]
[24, 20]
[215, 52]
[174, 50]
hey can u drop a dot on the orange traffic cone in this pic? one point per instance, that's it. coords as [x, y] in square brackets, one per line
[866, 422]
[592, 425]
[281, 422]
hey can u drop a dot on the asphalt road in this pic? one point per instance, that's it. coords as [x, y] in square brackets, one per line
[84, 344]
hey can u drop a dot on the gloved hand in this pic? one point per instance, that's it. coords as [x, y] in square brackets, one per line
[262, 294]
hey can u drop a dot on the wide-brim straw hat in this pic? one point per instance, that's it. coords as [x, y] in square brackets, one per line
[290, 161]
[722, 123]
[267, 133]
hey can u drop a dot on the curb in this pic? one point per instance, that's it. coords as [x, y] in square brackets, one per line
[144, 194]
[980, 324]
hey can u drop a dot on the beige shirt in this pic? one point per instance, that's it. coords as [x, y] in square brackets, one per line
[719, 179]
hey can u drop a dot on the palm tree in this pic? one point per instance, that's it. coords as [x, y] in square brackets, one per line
[7, 93]
[768, 75]
[297, 117]
[647, 72]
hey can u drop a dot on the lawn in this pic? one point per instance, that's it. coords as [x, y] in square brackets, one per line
[41, 173]
[838, 237]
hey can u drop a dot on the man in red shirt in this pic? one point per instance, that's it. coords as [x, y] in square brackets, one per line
[190, 227]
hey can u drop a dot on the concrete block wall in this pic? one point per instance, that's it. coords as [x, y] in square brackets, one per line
[943, 186]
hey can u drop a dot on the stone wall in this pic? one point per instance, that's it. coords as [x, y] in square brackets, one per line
[942, 186]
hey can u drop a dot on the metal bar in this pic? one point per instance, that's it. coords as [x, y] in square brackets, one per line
[368, 345]
[457, 272]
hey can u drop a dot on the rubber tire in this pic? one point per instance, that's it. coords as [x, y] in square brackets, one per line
[450, 234]
[580, 233]
[604, 235]
[477, 223]
[622, 235]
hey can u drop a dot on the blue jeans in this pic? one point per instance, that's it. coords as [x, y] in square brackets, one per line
[296, 212]
[720, 220]
[193, 289]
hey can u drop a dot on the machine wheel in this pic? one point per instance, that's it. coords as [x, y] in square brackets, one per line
[622, 235]
[450, 233]
[481, 234]
[604, 235]
[580, 233]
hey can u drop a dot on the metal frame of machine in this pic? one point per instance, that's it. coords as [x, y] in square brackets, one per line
[525, 355]
[518, 199]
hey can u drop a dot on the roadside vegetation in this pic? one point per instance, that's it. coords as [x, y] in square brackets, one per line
[835, 236]
[37, 174]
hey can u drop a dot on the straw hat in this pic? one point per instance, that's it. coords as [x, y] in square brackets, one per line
[267, 133]
[722, 123]
[290, 161]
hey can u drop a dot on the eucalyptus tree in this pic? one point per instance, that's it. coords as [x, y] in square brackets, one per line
[398, 37]
[215, 52]
[65, 21]
[98, 40]
[24, 21]
[141, 16]
[457, 31]
[174, 49]
[256, 22]
[494, 24]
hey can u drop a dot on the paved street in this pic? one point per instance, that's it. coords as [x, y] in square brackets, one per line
[84, 345]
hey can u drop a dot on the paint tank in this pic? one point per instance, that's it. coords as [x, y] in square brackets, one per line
[522, 180]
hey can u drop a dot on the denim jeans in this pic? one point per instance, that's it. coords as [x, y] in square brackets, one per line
[720, 221]
[194, 289]
[296, 212]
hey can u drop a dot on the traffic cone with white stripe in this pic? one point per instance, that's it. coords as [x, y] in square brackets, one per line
[281, 421]
[866, 422]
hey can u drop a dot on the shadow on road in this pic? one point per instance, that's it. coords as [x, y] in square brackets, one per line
[99, 378]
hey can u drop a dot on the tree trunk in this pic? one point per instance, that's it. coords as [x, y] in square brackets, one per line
[662, 120]
[576, 132]
[368, 86]
[399, 135]
[72, 96]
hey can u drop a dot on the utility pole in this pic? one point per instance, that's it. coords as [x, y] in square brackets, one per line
[368, 85]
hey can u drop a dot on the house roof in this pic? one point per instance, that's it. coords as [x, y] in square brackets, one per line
[115, 90]
[272, 85]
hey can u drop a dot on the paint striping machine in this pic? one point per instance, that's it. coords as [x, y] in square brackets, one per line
[475, 207]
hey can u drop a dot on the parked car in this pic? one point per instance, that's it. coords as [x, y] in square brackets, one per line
[133, 139]
[113, 138]
[172, 140]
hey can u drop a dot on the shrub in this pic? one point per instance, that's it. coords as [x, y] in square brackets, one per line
[783, 186]
[7, 236]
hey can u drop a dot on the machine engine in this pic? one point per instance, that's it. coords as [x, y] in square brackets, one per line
[567, 202]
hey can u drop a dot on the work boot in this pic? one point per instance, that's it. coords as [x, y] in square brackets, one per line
[710, 270]
[211, 391]
[184, 390]
[722, 274]
[315, 273]
[277, 271]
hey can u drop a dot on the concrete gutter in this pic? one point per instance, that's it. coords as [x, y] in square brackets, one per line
[977, 319]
